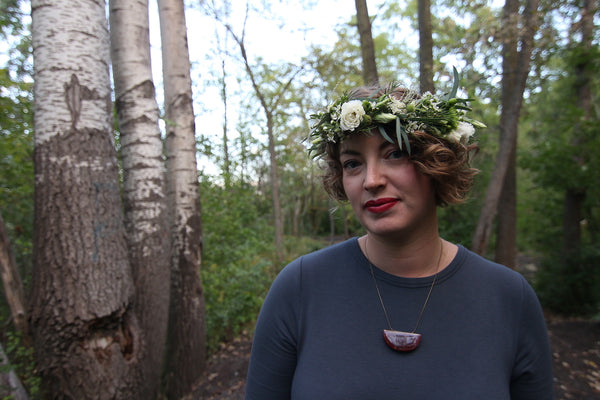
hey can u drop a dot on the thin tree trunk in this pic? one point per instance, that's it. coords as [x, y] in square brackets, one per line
[506, 242]
[10, 385]
[425, 47]
[13, 286]
[507, 205]
[575, 196]
[268, 108]
[367, 46]
[509, 119]
[143, 185]
[226, 162]
[277, 212]
[85, 335]
[186, 349]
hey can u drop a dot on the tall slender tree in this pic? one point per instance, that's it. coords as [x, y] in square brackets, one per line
[186, 348]
[575, 195]
[425, 47]
[12, 283]
[506, 242]
[85, 334]
[144, 192]
[512, 98]
[370, 75]
[269, 103]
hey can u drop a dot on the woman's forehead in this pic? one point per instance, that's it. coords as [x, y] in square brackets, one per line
[362, 139]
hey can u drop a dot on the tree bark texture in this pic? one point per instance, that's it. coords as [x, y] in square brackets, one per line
[511, 108]
[13, 286]
[144, 192]
[186, 348]
[84, 333]
[370, 75]
[425, 47]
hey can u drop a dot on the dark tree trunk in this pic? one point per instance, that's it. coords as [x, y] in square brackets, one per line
[13, 286]
[367, 46]
[575, 196]
[506, 242]
[425, 47]
[507, 205]
[512, 99]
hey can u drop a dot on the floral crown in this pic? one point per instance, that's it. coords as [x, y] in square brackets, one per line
[442, 117]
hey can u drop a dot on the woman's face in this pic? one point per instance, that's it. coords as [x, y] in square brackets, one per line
[388, 195]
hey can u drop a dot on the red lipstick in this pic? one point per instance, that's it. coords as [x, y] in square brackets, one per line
[380, 205]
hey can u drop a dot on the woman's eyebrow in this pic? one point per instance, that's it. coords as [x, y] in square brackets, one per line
[349, 152]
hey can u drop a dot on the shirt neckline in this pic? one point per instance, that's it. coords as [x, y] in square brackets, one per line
[382, 275]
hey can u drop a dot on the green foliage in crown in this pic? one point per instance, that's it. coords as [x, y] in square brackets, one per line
[410, 112]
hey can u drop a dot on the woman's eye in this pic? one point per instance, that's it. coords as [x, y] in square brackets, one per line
[395, 154]
[350, 164]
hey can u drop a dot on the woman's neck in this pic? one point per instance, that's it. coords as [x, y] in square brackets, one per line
[410, 259]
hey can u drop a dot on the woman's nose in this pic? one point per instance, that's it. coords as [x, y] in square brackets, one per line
[374, 178]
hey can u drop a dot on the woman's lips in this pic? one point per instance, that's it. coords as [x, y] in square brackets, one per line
[380, 205]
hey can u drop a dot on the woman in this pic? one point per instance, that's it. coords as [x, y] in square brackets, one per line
[398, 313]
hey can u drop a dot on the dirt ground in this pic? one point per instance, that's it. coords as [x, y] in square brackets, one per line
[575, 347]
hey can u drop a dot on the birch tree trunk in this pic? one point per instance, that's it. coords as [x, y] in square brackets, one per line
[367, 46]
[84, 333]
[509, 118]
[186, 348]
[144, 193]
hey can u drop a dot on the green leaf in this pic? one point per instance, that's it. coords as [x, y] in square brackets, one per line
[402, 136]
[455, 84]
[384, 134]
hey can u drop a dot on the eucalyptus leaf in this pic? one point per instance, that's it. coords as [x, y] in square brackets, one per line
[402, 136]
[455, 84]
[384, 134]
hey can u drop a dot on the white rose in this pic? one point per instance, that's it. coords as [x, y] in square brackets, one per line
[351, 115]
[462, 133]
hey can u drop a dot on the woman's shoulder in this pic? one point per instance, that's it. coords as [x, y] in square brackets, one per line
[335, 251]
[492, 282]
[481, 268]
[324, 260]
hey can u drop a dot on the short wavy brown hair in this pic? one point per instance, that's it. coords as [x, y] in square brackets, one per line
[447, 163]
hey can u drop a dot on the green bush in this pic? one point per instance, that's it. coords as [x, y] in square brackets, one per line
[238, 261]
[570, 286]
[23, 363]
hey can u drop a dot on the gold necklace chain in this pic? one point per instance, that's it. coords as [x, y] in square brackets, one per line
[387, 318]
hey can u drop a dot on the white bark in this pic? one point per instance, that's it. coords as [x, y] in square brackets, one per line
[82, 329]
[72, 38]
[186, 339]
[143, 184]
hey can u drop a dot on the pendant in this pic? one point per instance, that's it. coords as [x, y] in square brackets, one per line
[401, 341]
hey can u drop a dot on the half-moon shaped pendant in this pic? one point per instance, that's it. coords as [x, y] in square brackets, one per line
[401, 341]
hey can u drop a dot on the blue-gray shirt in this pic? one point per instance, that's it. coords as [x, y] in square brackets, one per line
[319, 333]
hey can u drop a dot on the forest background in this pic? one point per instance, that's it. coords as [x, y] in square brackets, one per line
[260, 195]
